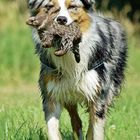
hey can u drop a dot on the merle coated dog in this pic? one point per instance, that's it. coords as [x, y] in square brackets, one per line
[94, 81]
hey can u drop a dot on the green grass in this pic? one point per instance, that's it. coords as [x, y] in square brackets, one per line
[21, 115]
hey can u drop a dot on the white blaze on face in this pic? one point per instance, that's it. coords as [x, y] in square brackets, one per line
[64, 11]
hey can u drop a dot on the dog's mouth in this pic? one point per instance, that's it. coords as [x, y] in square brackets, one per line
[57, 44]
[62, 45]
[62, 50]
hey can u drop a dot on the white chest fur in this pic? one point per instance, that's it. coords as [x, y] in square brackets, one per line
[76, 82]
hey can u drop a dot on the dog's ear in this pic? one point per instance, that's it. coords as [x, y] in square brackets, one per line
[88, 3]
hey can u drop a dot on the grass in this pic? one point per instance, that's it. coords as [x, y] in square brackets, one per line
[21, 115]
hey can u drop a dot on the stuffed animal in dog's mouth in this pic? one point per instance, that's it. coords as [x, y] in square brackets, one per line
[62, 37]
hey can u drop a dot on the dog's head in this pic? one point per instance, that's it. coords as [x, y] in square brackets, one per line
[69, 11]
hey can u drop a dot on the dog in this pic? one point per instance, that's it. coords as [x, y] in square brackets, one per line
[95, 81]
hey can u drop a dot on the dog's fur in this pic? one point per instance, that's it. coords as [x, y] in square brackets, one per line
[95, 81]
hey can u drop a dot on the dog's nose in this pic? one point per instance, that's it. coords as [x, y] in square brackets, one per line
[61, 20]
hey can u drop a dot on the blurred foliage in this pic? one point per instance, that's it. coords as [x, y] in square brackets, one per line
[19, 64]
[130, 8]
[21, 4]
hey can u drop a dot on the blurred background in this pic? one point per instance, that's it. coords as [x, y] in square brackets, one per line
[21, 115]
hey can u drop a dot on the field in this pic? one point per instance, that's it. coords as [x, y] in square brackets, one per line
[21, 115]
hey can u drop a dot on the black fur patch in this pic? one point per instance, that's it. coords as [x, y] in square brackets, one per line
[86, 4]
[32, 4]
[101, 55]
[101, 113]
[40, 4]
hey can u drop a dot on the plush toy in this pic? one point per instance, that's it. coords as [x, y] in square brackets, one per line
[62, 37]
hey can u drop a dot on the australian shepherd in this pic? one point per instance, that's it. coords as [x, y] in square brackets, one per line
[95, 81]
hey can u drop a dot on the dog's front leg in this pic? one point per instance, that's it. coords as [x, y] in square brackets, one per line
[96, 125]
[52, 112]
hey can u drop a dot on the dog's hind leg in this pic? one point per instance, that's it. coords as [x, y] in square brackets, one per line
[52, 112]
[75, 121]
[96, 124]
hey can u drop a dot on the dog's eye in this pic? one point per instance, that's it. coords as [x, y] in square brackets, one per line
[75, 7]
[48, 7]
